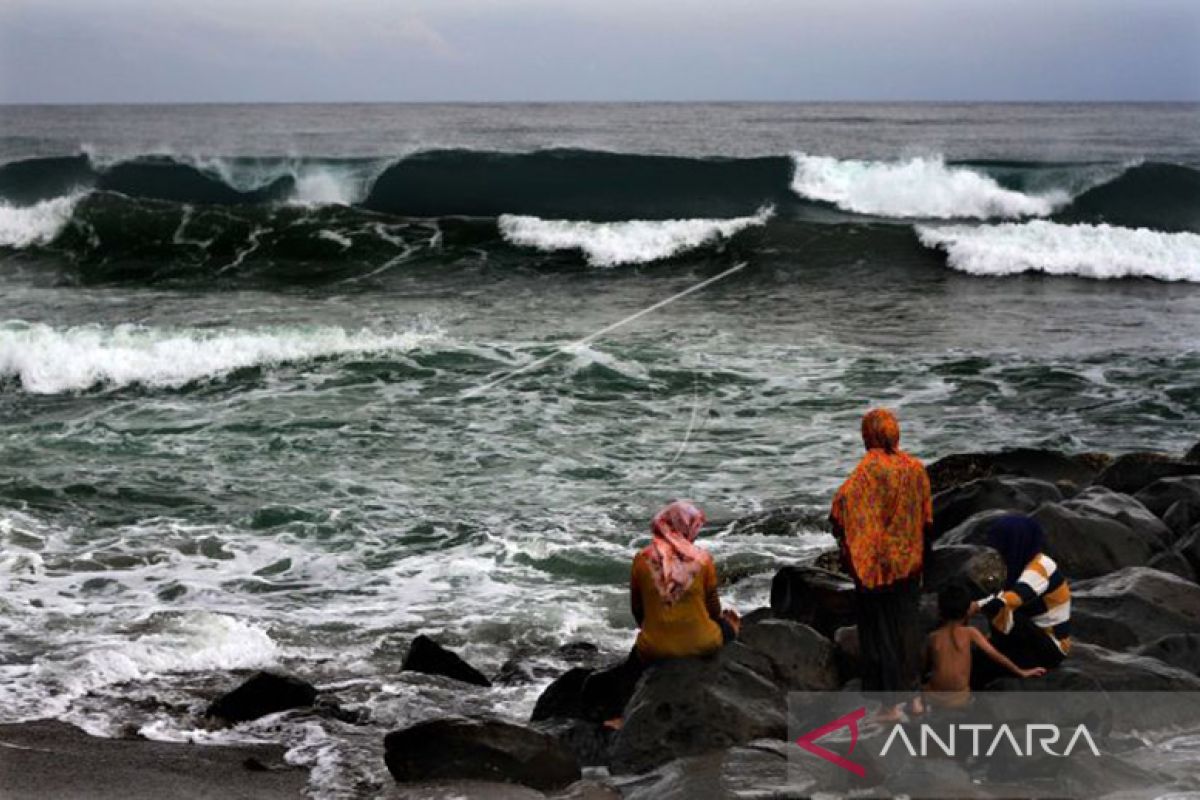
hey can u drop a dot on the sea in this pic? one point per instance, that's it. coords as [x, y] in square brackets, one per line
[282, 386]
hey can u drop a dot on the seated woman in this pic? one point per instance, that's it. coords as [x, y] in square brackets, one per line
[673, 596]
[673, 590]
[1031, 616]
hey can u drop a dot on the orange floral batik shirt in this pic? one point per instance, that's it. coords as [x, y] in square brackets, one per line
[883, 507]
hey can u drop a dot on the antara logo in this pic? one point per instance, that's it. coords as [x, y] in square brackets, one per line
[1043, 734]
[985, 740]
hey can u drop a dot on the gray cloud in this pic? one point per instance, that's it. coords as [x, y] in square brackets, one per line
[264, 50]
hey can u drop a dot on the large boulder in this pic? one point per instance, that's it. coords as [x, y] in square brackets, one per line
[1159, 496]
[1134, 472]
[458, 748]
[1178, 650]
[801, 659]
[1046, 465]
[1125, 509]
[588, 741]
[954, 506]
[1133, 607]
[1193, 455]
[563, 698]
[1189, 548]
[973, 530]
[816, 597]
[688, 706]
[1086, 543]
[264, 693]
[427, 656]
[758, 769]
[980, 569]
[783, 521]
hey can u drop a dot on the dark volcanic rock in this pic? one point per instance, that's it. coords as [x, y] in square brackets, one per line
[1159, 496]
[1189, 548]
[1101, 502]
[1046, 465]
[973, 530]
[954, 506]
[1174, 562]
[265, 693]
[979, 568]
[757, 615]
[427, 656]
[563, 697]
[1086, 543]
[477, 749]
[1179, 650]
[1134, 472]
[588, 741]
[816, 597]
[688, 706]
[784, 521]
[1193, 455]
[801, 659]
[1133, 607]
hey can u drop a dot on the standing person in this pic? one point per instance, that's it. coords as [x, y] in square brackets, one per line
[881, 517]
[673, 597]
[1031, 616]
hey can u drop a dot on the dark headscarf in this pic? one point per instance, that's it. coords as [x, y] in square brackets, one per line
[1018, 538]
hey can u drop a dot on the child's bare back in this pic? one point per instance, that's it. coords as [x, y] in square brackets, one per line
[948, 651]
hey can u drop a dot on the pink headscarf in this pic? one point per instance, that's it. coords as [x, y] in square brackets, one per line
[674, 560]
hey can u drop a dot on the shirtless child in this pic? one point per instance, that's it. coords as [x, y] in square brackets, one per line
[948, 654]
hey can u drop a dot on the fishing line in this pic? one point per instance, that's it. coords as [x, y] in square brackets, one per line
[491, 384]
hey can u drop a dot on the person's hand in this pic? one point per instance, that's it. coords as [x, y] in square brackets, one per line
[1036, 672]
[733, 618]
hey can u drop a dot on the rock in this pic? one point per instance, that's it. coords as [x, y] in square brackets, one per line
[1125, 509]
[801, 659]
[847, 650]
[427, 656]
[1133, 607]
[1134, 472]
[563, 697]
[1086, 544]
[479, 749]
[264, 693]
[979, 568]
[973, 530]
[757, 615]
[813, 596]
[579, 652]
[1193, 455]
[1045, 465]
[1189, 548]
[588, 741]
[1159, 496]
[687, 706]
[1178, 650]
[954, 506]
[1174, 562]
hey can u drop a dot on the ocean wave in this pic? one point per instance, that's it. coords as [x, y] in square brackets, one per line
[916, 188]
[610, 244]
[38, 224]
[1088, 251]
[46, 360]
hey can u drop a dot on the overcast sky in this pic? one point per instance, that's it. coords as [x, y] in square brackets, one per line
[429, 50]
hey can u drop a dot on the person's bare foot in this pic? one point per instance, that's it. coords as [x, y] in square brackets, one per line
[614, 724]
[917, 706]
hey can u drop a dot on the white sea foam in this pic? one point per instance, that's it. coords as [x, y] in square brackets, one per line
[916, 188]
[48, 360]
[1089, 251]
[610, 244]
[24, 226]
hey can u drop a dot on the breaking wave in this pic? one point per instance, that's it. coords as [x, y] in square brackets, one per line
[38, 224]
[47, 360]
[610, 244]
[917, 188]
[1088, 251]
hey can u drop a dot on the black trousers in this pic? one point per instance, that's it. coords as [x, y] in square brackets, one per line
[1026, 645]
[890, 640]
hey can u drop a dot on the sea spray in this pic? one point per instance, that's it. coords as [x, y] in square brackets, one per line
[1086, 251]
